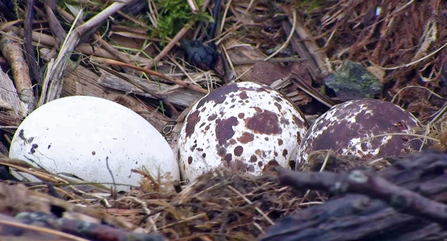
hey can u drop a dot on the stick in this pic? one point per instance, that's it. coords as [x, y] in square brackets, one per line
[372, 185]
[153, 73]
[55, 74]
[12, 51]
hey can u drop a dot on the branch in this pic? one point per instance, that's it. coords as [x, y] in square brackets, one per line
[54, 75]
[370, 184]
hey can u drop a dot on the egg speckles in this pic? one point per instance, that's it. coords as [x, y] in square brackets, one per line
[243, 126]
[350, 129]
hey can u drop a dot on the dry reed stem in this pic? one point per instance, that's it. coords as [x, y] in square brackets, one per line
[55, 74]
[250, 202]
[154, 73]
[193, 5]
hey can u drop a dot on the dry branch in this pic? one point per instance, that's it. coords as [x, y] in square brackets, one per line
[9, 95]
[55, 73]
[82, 81]
[45, 40]
[12, 51]
[27, 46]
[171, 44]
[157, 74]
[140, 86]
[54, 23]
[368, 183]
[401, 202]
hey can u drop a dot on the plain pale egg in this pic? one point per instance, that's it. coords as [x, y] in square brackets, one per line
[93, 138]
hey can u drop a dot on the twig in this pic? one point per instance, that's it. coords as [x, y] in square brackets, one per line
[154, 73]
[201, 215]
[135, 20]
[193, 5]
[90, 230]
[171, 44]
[54, 23]
[28, 46]
[323, 166]
[311, 49]
[12, 51]
[135, 199]
[47, 40]
[292, 31]
[9, 95]
[102, 43]
[148, 176]
[414, 86]
[271, 60]
[310, 90]
[224, 16]
[55, 74]
[416, 61]
[113, 189]
[250, 202]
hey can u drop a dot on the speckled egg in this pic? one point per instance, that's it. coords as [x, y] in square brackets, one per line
[243, 126]
[349, 129]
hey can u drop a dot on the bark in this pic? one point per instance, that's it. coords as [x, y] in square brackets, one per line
[415, 186]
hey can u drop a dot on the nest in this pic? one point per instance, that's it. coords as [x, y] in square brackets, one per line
[222, 205]
[133, 58]
[219, 205]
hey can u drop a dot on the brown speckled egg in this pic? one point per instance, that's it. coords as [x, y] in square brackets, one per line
[348, 129]
[243, 126]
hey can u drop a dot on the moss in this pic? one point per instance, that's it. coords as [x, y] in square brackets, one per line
[353, 81]
[174, 14]
[16, 6]
[310, 5]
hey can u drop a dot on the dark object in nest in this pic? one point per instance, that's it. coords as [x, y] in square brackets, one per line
[200, 55]
[5, 174]
[353, 82]
[80, 228]
[7, 10]
[363, 217]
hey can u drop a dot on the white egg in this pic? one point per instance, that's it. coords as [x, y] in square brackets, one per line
[91, 137]
[243, 126]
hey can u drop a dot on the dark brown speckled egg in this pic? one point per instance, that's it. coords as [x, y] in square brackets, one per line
[356, 128]
[243, 126]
